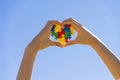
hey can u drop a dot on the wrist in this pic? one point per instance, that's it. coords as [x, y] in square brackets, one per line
[31, 49]
[94, 41]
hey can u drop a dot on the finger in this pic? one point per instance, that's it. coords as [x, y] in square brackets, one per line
[72, 22]
[48, 26]
[68, 19]
[51, 23]
[53, 43]
[72, 42]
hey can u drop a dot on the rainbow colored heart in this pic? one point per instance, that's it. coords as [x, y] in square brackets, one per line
[62, 34]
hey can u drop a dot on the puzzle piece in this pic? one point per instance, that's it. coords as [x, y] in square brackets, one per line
[62, 34]
[72, 30]
[62, 40]
[53, 28]
[57, 28]
[54, 35]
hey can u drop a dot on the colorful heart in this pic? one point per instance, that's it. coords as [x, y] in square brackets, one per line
[62, 34]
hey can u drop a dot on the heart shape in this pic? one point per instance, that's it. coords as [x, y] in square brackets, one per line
[62, 34]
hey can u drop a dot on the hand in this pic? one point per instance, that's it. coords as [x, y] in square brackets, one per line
[84, 36]
[42, 40]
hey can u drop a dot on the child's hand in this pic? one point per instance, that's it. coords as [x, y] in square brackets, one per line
[42, 40]
[84, 36]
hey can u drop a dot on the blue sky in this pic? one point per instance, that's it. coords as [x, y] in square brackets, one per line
[22, 20]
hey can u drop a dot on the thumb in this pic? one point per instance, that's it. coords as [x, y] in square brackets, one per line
[72, 42]
[53, 43]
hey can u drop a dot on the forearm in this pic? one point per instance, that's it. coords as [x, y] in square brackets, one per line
[111, 61]
[25, 70]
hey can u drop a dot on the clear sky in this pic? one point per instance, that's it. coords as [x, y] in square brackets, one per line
[22, 20]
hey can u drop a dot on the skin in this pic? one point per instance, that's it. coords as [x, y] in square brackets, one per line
[42, 41]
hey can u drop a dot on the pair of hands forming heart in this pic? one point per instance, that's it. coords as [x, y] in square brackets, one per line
[62, 32]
